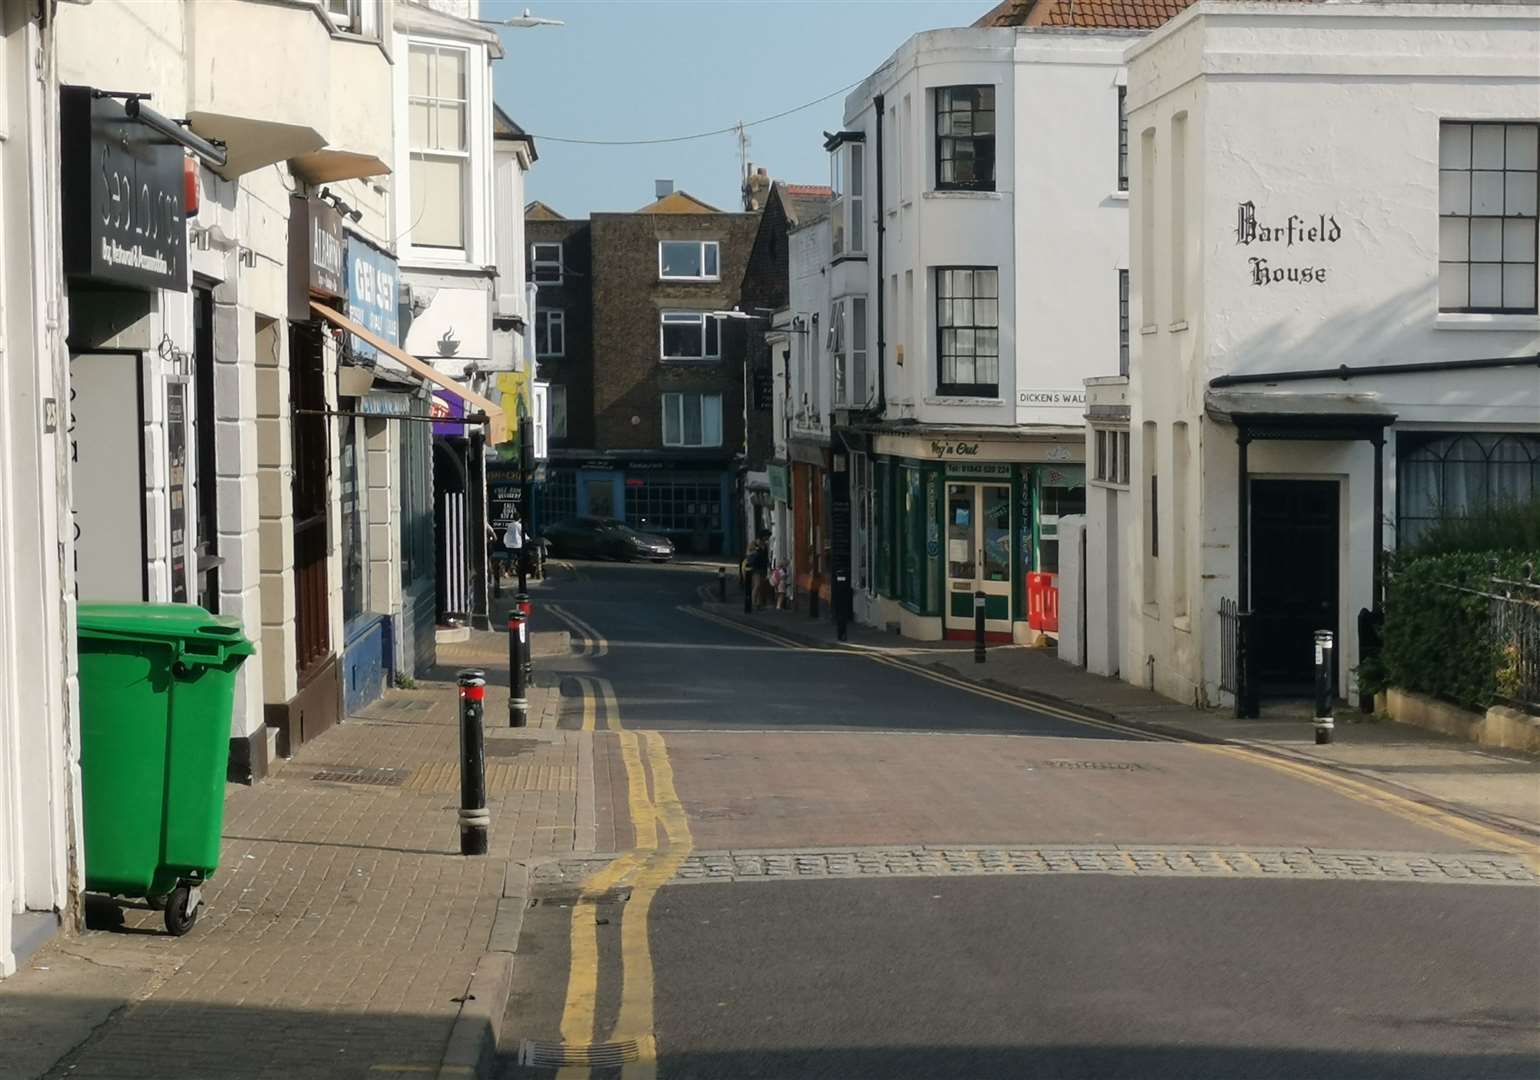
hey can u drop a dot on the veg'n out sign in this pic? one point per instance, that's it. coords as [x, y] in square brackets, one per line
[1305, 231]
[123, 216]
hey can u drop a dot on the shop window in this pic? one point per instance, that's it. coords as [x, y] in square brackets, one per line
[558, 498]
[678, 503]
[354, 556]
[965, 138]
[689, 260]
[417, 536]
[1453, 476]
[968, 331]
[437, 107]
[1487, 205]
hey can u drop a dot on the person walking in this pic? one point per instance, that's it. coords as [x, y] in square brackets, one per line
[759, 571]
[513, 540]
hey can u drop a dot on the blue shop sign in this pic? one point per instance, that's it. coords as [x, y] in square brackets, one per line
[374, 288]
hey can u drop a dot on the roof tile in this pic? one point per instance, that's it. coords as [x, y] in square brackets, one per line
[1085, 14]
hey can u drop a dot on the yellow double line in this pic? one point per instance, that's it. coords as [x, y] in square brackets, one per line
[647, 867]
[1365, 793]
[590, 642]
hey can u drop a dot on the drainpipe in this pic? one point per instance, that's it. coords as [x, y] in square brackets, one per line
[882, 228]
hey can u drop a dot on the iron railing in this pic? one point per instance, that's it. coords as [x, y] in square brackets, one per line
[1229, 635]
[1513, 621]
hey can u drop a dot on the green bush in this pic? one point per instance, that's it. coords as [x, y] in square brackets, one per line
[1513, 527]
[1435, 639]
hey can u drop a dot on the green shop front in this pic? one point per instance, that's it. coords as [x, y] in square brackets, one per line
[954, 517]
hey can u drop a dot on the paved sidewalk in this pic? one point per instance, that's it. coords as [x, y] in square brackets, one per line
[341, 936]
[1497, 787]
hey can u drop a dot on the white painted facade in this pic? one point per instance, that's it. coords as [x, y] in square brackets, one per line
[810, 387]
[40, 864]
[1331, 114]
[313, 122]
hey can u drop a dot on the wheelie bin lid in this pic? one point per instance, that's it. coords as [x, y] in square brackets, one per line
[201, 637]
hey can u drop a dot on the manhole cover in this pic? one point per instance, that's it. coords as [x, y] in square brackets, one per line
[536, 1054]
[405, 704]
[357, 774]
[1112, 766]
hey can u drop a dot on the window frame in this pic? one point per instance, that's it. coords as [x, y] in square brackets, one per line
[1124, 339]
[681, 395]
[984, 390]
[559, 315]
[463, 156]
[1122, 138]
[536, 262]
[940, 95]
[701, 246]
[680, 318]
[1470, 216]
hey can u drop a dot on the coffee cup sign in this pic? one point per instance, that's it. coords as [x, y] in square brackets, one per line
[1296, 230]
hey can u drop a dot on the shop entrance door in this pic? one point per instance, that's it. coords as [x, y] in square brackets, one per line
[978, 557]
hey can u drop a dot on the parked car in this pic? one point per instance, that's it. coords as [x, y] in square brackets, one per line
[605, 538]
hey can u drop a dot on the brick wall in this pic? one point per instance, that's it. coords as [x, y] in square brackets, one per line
[575, 369]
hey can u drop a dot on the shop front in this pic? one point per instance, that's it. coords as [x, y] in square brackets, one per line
[688, 499]
[955, 518]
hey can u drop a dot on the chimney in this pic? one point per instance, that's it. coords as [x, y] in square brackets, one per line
[662, 188]
[756, 188]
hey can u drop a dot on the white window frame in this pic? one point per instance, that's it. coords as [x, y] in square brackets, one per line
[684, 318]
[536, 263]
[465, 156]
[679, 396]
[558, 316]
[847, 178]
[1503, 209]
[701, 245]
[837, 355]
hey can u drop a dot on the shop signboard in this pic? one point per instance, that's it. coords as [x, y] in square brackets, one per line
[123, 214]
[316, 260]
[374, 287]
[779, 486]
[445, 410]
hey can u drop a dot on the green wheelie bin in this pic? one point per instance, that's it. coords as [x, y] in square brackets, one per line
[157, 684]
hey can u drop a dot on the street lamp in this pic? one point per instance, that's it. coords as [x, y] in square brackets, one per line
[524, 20]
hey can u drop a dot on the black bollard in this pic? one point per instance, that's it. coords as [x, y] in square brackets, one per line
[519, 560]
[978, 627]
[518, 685]
[748, 591]
[1323, 689]
[474, 818]
[524, 607]
[842, 598]
[722, 584]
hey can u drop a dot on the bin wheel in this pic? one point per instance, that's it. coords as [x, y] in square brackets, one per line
[181, 910]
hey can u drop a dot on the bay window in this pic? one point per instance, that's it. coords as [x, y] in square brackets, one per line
[692, 420]
[847, 177]
[689, 335]
[437, 108]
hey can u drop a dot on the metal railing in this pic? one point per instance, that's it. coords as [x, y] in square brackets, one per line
[1513, 621]
[1229, 635]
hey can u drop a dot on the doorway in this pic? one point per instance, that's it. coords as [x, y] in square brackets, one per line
[978, 556]
[1294, 578]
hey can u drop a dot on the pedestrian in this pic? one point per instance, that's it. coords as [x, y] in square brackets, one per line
[513, 540]
[759, 571]
[778, 585]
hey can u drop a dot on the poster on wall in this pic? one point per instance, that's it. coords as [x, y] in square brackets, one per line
[177, 486]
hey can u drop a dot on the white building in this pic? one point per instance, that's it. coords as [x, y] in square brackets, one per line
[39, 728]
[1333, 248]
[978, 246]
[445, 193]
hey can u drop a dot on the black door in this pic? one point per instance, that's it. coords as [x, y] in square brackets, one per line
[1293, 579]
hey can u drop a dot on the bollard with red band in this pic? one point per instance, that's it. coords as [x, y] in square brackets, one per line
[474, 816]
[522, 604]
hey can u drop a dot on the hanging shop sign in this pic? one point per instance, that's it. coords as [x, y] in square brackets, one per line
[447, 407]
[124, 219]
[779, 485]
[1304, 232]
[316, 260]
[455, 324]
[374, 289]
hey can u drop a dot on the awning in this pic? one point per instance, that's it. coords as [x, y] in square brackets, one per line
[254, 144]
[497, 423]
[1319, 417]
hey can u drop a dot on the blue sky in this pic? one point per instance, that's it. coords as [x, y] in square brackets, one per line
[637, 69]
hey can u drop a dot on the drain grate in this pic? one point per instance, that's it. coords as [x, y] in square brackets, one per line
[358, 774]
[569, 897]
[536, 1054]
[1113, 766]
[405, 704]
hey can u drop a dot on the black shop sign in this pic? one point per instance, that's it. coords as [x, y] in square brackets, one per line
[123, 196]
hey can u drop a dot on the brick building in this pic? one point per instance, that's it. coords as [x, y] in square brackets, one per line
[651, 372]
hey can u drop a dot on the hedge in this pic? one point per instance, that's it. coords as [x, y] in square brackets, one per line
[1435, 639]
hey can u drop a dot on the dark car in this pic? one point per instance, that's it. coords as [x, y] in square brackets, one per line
[605, 538]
